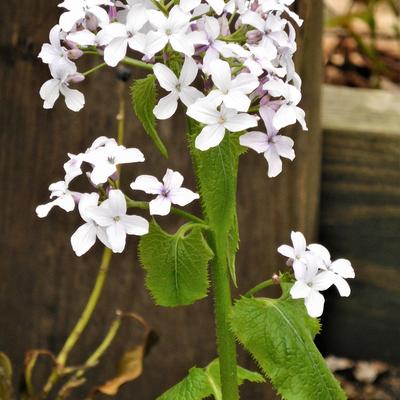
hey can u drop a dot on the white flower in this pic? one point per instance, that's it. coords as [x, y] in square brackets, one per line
[283, 6]
[309, 283]
[272, 29]
[178, 88]
[232, 92]
[288, 112]
[62, 75]
[212, 29]
[63, 199]
[168, 192]
[338, 270]
[85, 236]
[111, 215]
[53, 53]
[172, 29]
[295, 254]
[106, 158]
[78, 10]
[216, 121]
[119, 36]
[273, 146]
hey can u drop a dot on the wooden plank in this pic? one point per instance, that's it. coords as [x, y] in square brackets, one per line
[360, 110]
[360, 220]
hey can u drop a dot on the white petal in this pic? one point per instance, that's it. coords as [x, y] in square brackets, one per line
[217, 6]
[87, 200]
[172, 180]
[66, 202]
[160, 206]
[116, 235]
[237, 100]
[190, 95]
[182, 196]
[299, 242]
[204, 111]
[49, 92]
[127, 156]
[166, 78]
[189, 72]
[101, 15]
[284, 146]
[115, 51]
[74, 99]
[323, 280]
[342, 286]
[135, 225]
[43, 210]
[300, 290]
[166, 106]
[285, 116]
[245, 83]
[315, 304]
[343, 268]
[274, 162]
[189, 5]
[117, 202]
[240, 122]
[102, 172]
[221, 75]
[148, 184]
[83, 37]
[101, 215]
[110, 32]
[257, 141]
[320, 251]
[286, 251]
[182, 44]
[68, 19]
[84, 238]
[155, 41]
[210, 136]
[49, 54]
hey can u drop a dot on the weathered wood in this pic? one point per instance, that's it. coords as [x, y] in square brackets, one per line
[360, 219]
[43, 286]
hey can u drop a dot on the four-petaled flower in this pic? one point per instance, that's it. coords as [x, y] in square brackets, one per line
[178, 88]
[106, 158]
[273, 145]
[112, 216]
[168, 192]
[217, 121]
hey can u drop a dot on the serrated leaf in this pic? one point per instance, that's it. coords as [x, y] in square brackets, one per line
[5, 377]
[176, 265]
[279, 334]
[143, 95]
[233, 247]
[205, 382]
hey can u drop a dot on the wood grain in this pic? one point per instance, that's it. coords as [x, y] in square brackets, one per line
[43, 286]
[360, 220]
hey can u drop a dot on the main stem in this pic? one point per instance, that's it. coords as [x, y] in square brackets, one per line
[82, 322]
[222, 306]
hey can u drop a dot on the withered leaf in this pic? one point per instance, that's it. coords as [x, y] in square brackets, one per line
[5, 377]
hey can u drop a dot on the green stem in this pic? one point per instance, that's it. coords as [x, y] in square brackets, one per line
[137, 63]
[143, 205]
[94, 69]
[222, 308]
[82, 322]
[259, 287]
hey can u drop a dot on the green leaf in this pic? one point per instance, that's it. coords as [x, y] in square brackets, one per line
[143, 94]
[5, 377]
[205, 382]
[176, 265]
[216, 171]
[279, 334]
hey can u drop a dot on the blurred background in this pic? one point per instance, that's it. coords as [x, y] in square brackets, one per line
[343, 189]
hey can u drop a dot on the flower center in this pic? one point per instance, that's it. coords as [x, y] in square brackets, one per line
[117, 218]
[111, 160]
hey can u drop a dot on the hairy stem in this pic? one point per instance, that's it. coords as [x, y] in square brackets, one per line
[82, 322]
[260, 286]
[222, 307]
[137, 63]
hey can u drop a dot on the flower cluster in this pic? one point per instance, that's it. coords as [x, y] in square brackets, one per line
[315, 272]
[104, 211]
[242, 50]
